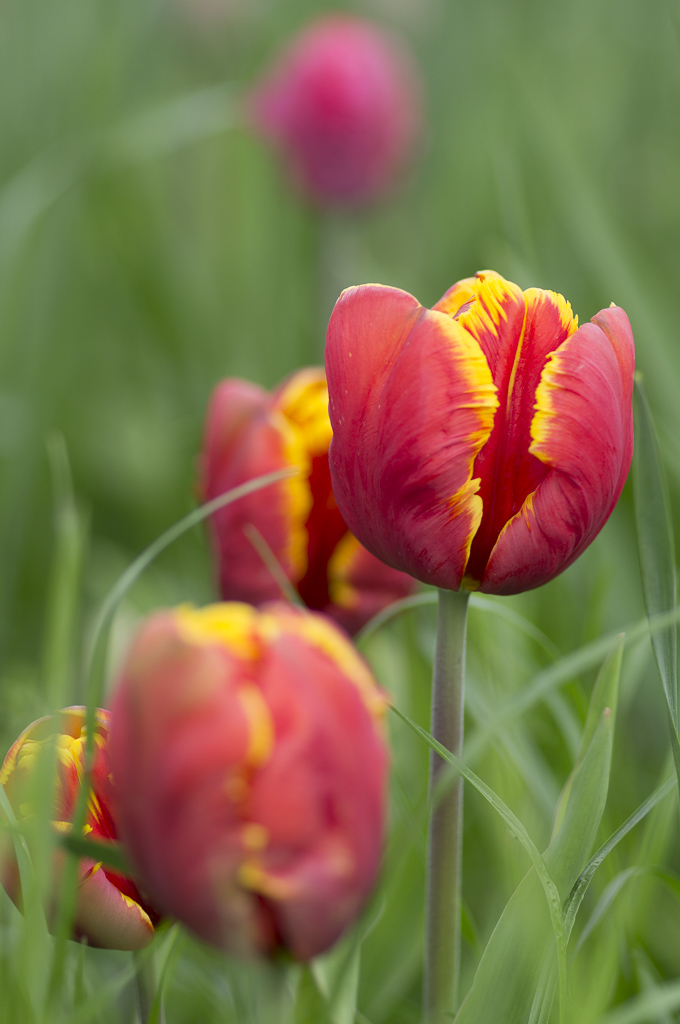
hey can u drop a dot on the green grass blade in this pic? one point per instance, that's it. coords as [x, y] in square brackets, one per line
[311, 1006]
[137, 567]
[580, 888]
[506, 999]
[111, 854]
[568, 667]
[511, 820]
[586, 787]
[655, 545]
[477, 601]
[515, 980]
[644, 1008]
[518, 956]
[605, 901]
[64, 587]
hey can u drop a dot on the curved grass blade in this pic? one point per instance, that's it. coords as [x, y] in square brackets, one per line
[144, 560]
[511, 820]
[64, 583]
[605, 901]
[656, 550]
[518, 973]
[477, 601]
[111, 855]
[579, 890]
[529, 899]
[568, 667]
[603, 703]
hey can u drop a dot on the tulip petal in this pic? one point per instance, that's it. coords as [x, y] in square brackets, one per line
[361, 585]
[303, 399]
[181, 795]
[108, 917]
[582, 430]
[492, 310]
[245, 438]
[528, 327]
[413, 403]
[320, 803]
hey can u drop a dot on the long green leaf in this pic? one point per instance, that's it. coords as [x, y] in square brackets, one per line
[591, 781]
[534, 909]
[111, 854]
[581, 886]
[511, 820]
[656, 550]
[568, 667]
[64, 585]
[477, 601]
[515, 979]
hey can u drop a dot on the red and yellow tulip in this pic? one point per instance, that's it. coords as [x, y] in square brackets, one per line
[250, 768]
[250, 432]
[482, 443]
[110, 912]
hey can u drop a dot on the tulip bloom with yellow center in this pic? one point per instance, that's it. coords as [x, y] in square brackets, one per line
[110, 912]
[250, 770]
[482, 443]
[250, 432]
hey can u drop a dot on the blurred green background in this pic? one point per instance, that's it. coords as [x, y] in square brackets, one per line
[149, 246]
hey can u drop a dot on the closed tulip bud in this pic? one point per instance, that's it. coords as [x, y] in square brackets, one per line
[250, 768]
[342, 103]
[482, 443]
[250, 432]
[110, 912]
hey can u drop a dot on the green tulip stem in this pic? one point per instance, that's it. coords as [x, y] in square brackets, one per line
[444, 851]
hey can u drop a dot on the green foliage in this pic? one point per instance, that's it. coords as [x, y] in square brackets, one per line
[657, 556]
[149, 245]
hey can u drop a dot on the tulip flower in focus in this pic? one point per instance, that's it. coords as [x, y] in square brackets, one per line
[110, 912]
[250, 770]
[482, 443]
[342, 103]
[250, 432]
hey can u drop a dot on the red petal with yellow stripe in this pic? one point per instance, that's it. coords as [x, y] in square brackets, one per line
[582, 432]
[411, 405]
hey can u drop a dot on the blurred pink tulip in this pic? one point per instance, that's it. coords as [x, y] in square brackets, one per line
[110, 912]
[250, 769]
[343, 104]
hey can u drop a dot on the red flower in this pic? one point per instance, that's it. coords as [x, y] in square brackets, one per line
[482, 443]
[250, 767]
[250, 432]
[110, 912]
[343, 105]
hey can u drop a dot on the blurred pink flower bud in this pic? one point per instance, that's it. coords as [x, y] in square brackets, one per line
[343, 104]
[250, 769]
[110, 912]
[250, 432]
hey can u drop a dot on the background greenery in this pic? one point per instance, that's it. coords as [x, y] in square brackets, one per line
[149, 246]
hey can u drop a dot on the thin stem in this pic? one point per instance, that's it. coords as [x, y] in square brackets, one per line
[444, 853]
